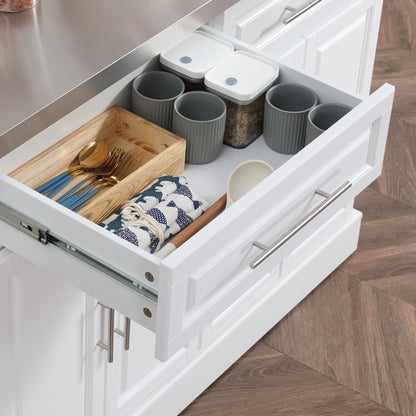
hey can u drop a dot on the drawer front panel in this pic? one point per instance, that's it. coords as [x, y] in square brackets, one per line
[252, 26]
[255, 22]
[336, 41]
[282, 215]
[209, 272]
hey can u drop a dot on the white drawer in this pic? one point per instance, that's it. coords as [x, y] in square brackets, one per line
[180, 295]
[255, 22]
[336, 41]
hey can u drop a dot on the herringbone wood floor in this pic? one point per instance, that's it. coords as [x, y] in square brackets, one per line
[359, 357]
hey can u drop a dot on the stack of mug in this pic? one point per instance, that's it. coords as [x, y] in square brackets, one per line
[293, 118]
[198, 116]
[224, 96]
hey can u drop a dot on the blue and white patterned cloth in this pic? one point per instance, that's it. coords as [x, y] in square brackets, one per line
[150, 229]
[155, 192]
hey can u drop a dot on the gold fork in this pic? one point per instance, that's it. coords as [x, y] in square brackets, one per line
[127, 166]
[106, 169]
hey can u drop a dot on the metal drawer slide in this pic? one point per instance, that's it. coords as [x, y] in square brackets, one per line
[44, 236]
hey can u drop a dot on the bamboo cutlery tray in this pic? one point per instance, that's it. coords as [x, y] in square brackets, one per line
[158, 151]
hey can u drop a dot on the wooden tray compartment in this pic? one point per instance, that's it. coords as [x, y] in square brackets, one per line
[158, 151]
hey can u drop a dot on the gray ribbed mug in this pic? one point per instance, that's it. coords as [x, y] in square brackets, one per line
[322, 117]
[199, 117]
[285, 116]
[153, 94]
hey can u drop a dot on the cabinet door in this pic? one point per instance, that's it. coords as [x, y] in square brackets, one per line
[42, 343]
[342, 50]
[139, 373]
[337, 42]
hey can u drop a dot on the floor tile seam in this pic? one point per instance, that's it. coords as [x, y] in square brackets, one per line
[370, 284]
[388, 294]
[404, 215]
[340, 384]
[271, 348]
[390, 197]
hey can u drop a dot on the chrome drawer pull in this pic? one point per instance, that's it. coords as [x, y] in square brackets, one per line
[299, 12]
[110, 346]
[329, 199]
[125, 333]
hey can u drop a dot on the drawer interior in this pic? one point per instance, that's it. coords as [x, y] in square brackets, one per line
[209, 179]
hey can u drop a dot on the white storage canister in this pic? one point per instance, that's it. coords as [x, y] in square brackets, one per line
[242, 79]
[195, 55]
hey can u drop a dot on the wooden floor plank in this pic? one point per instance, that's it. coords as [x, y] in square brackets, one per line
[368, 346]
[386, 255]
[265, 384]
[300, 323]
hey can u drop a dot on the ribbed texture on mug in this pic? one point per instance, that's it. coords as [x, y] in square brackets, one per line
[284, 132]
[312, 132]
[157, 112]
[204, 140]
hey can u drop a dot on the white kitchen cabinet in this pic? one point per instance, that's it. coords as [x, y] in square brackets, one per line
[335, 40]
[208, 302]
[42, 333]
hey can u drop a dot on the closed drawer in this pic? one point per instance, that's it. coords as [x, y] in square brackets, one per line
[256, 22]
[335, 41]
[180, 295]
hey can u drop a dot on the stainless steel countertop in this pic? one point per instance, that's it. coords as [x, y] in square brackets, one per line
[61, 53]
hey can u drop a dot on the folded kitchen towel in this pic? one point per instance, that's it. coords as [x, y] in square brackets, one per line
[155, 192]
[150, 229]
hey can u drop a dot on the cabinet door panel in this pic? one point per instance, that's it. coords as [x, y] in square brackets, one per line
[336, 54]
[46, 343]
[293, 56]
[339, 41]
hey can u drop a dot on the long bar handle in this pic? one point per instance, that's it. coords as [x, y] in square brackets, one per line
[125, 333]
[299, 12]
[329, 199]
[110, 346]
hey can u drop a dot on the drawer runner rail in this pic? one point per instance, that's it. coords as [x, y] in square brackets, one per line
[40, 233]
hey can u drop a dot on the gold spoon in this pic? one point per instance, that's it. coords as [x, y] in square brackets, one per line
[91, 156]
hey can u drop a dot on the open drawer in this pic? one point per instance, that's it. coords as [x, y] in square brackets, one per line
[178, 296]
